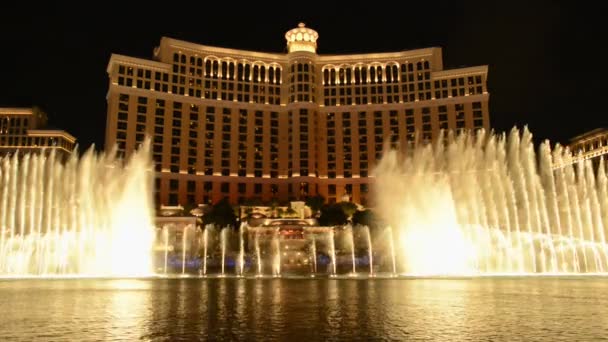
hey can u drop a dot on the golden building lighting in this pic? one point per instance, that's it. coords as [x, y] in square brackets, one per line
[243, 124]
[24, 130]
[590, 145]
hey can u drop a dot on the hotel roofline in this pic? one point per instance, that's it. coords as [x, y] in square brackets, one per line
[194, 47]
[589, 135]
[15, 111]
[171, 43]
[51, 133]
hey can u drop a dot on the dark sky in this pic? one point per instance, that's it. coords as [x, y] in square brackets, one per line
[544, 58]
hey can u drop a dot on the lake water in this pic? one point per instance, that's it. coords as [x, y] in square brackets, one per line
[484, 309]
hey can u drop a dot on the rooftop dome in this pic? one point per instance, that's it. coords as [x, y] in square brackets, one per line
[302, 38]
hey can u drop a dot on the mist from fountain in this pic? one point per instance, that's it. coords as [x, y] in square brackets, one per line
[489, 204]
[89, 216]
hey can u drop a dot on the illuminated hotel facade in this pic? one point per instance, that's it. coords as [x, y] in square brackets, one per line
[241, 124]
[591, 145]
[24, 130]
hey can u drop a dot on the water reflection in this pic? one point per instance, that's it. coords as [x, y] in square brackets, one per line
[128, 309]
[283, 309]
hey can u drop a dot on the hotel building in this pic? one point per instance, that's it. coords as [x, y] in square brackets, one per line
[243, 124]
[24, 130]
[590, 145]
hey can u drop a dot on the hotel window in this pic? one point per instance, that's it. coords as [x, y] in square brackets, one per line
[191, 186]
[331, 189]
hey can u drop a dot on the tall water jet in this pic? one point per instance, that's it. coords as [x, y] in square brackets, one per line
[391, 244]
[258, 253]
[332, 250]
[165, 233]
[242, 248]
[370, 252]
[184, 248]
[223, 241]
[479, 204]
[205, 244]
[89, 216]
[313, 251]
[351, 243]
[276, 262]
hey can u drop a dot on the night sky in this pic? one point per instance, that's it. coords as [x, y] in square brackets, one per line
[544, 58]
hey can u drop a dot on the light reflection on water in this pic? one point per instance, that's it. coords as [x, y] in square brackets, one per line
[295, 310]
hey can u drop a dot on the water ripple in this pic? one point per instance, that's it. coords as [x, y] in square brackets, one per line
[304, 310]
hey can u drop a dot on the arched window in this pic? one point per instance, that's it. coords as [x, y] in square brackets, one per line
[176, 57]
[364, 75]
[341, 75]
[349, 79]
[215, 67]
[262, 74]
[372, 74]
[419, 65]
[271, 75]
[389, 75]
[183, 59]
[278, 76]
[224, 70]
[426, 64]
[247, 76]
[199, 62]
[305, 67]
[357, 75]
[326, 76]
[332, 77]
[239, 70]
[256, 73]
[231, 71]
[207, 68]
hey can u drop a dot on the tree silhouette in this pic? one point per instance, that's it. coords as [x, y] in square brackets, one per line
[221, 214]
[332, 215]
[315, 203]
[367, 217]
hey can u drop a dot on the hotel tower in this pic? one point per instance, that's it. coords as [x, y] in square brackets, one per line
[257, 125]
